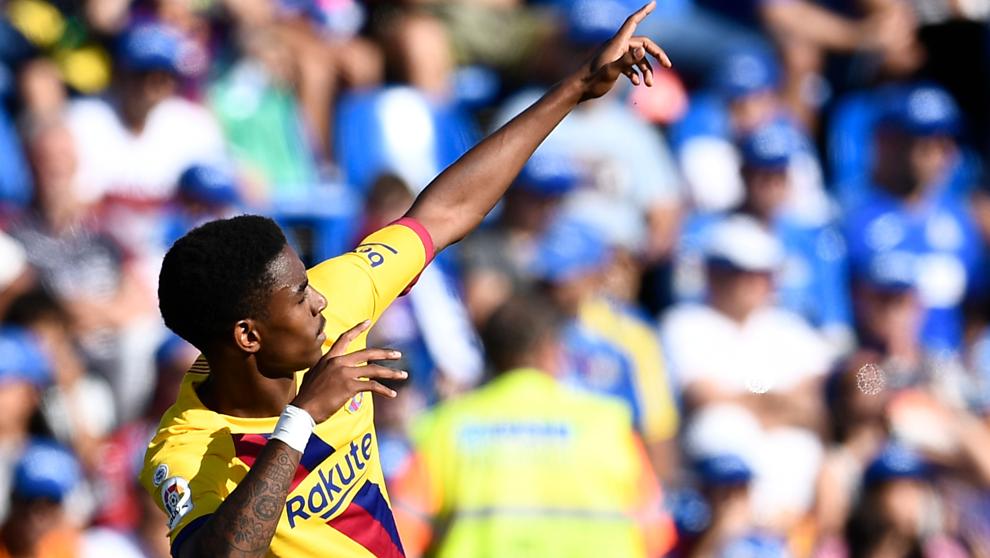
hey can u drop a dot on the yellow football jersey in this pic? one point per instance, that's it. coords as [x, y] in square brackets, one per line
[337, 504]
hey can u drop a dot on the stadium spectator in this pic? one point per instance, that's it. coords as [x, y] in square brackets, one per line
[609, 349]
[805, 31]
[898, 513]
[725, 484]
[99, 283]
[503, 471]
[205, 193]
[131, 150]
[45, 475]
[319, 51]
[426, 40]
[743, 97]
[812, 279]
[912, 213]
[763, 381]
[78, 409]
[496, 261]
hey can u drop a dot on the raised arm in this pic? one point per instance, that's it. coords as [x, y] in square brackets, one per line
[244, 524]
[457, 200]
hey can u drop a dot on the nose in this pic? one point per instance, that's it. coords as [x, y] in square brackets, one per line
[321, 301]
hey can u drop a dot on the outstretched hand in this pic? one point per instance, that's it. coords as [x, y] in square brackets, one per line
[623, 54]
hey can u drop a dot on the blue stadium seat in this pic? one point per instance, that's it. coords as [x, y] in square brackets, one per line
[397, 129]
[319, 224]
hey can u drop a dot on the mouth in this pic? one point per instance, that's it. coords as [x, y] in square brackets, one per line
[321, 333]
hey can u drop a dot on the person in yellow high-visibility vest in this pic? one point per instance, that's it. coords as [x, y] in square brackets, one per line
[526, 466]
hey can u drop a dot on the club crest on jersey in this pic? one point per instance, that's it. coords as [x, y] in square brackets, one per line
[176, 499]
[161, 473]
[354, 405]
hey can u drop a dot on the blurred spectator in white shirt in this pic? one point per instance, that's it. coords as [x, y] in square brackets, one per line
[750, 373]
[133, 146]
[108, 300]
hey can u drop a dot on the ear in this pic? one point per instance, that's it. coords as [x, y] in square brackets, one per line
[246, 336]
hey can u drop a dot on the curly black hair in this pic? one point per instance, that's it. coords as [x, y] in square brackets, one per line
[217, 274]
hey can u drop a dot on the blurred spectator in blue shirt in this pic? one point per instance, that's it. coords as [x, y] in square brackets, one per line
[609, 349]
[724, 480]
[811, 280]
[907, 215]
[743, 97]
[496, 261]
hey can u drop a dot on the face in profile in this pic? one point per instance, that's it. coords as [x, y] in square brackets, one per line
[292, 330]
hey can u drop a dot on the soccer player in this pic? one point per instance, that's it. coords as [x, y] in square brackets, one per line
[257, 458]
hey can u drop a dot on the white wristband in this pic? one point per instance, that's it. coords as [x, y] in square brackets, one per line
[294, 428]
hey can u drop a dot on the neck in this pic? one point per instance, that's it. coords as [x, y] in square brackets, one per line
[237, 388]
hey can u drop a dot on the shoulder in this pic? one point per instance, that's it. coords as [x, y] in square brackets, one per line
[183, 442]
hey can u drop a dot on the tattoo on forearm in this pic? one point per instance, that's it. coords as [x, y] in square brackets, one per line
[243, 526]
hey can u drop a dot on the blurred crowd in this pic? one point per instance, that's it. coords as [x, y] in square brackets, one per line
[769, 268]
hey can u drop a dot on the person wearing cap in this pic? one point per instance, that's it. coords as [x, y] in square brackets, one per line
[909, 210]
[763, 348]
[723, 480]
[495, 261]
[610, 350]
[138, 146]
[737, 355]
[743, 97]
[45, 475]
[132, 145]
[24, 374]
[205, 192]
[811, 280]
[900, 509]
[527, 466]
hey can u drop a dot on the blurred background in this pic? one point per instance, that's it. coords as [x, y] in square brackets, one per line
[775, 258]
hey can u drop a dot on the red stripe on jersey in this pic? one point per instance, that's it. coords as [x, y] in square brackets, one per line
[426, 239]
[359, 525]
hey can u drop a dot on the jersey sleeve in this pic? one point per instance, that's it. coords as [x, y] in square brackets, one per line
[362, 283]
[187, 481]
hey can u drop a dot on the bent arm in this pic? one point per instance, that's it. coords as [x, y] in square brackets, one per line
[244, 524]
[457, 200]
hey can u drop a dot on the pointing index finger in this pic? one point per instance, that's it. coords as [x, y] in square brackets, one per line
[629, 27]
